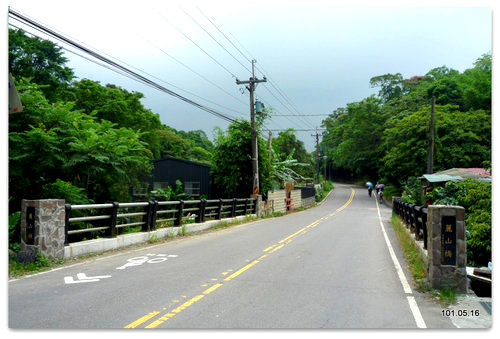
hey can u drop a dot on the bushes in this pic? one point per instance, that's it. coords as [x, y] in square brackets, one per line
[323, 190]
[412, 191]
[14, 231]
[65, 190]
[475, 197]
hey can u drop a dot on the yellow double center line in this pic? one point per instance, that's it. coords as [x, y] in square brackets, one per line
[269, 250]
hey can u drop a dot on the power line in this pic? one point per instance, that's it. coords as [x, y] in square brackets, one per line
[306, 122]
[299, 115]
[295, 130]
[224, 35]
[270, 81]
[195, 72]
[210, 35]
[60, 37]
[187, 37]
[266, 102]
[288, 101]
[121, 72]
[124, 74]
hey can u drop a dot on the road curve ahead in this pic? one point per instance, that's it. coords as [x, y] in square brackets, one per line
[337, 265]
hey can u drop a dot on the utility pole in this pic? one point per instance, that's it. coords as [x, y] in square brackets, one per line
[430, 158]
[324, 165]
[270, 145]
[252, 82]
[317, 153]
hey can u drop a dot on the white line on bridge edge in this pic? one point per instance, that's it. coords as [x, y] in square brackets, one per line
[411, 299]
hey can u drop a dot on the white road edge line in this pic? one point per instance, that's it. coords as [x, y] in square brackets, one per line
[406, 287]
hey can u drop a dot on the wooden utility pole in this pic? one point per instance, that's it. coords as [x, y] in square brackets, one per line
[270, 145]
[252, 82]
[317, 154]
[430, 157]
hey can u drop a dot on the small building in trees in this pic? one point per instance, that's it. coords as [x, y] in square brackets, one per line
[195, 176]
[430, 181]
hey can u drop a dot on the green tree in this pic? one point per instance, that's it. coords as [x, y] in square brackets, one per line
[119, 106]
[232, 166]
[391, 86]
[475, 197]
[66, 144]
[285, 145]
[352, 136]
[40, 60]
[389, 139]
[463, 139]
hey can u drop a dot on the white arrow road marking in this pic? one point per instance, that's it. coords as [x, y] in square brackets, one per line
[83, 278]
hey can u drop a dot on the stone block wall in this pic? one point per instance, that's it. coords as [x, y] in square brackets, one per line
[447, 254]
[47, 236]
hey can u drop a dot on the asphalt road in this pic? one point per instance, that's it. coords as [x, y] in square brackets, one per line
[325, 267]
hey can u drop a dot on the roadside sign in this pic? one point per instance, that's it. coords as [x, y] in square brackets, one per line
[15, 105]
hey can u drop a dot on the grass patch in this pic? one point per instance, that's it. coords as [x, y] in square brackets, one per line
[446, 296]
[418, 265]
[324, 189]
[39, 263]
[413, 256]
[223, 224]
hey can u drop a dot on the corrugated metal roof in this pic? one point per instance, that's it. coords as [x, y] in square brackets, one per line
[458, 174]
[441, 177]
[467, 172]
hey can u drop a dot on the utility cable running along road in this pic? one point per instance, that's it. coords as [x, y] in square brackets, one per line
[337, 265]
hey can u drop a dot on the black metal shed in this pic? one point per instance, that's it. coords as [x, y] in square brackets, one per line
[194, 176]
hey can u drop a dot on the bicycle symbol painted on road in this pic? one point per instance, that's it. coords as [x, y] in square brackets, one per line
[147, 259]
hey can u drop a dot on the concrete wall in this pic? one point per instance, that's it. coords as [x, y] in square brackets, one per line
[278, 198]
[296, 199]
[108, 244]
[308, 201]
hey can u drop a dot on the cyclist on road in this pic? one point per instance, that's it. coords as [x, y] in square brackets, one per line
[370, 188]
[380, 191]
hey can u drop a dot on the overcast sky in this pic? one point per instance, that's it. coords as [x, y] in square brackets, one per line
[318, 55]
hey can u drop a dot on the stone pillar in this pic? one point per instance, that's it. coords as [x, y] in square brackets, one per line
[447, 253]
[42, 227]
[258, 207]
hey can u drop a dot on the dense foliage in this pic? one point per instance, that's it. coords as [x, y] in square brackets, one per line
[290, 152]
[475, 197]
[39, 60]
[386, 137]
[232, 166]
[79, 140]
